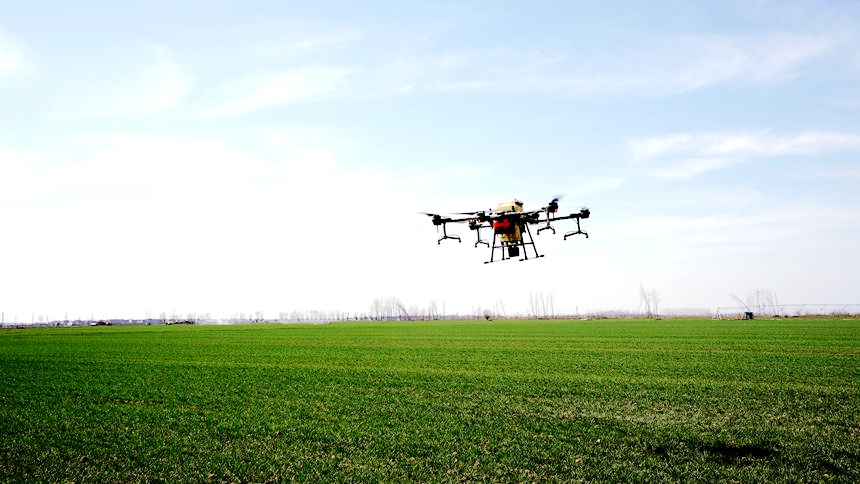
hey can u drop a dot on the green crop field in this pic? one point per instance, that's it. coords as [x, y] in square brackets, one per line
[608, 400]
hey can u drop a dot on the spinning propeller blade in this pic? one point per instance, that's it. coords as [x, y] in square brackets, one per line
[552, 206]
[437, 219]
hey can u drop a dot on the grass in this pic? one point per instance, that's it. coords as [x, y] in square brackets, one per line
[672, 400]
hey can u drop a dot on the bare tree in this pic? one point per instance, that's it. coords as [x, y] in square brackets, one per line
[763, 300]
[650, 300]
[390, 308]
[433, 309]
[655, 302]
[500, 309]
[376, 309]
[541, 305]
[400, 308]
[477, 311]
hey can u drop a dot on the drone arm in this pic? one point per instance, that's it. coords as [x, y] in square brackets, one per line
[584, 213]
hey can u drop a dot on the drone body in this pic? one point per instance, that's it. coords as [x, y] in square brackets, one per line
[510, 226]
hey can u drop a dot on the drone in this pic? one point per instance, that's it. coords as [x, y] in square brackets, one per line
[510, 226]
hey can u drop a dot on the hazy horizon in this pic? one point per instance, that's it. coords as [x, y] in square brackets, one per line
[225, 157]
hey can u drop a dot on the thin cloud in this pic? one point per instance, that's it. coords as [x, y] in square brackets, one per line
[685, 155]
[162, 164]
[769, 225]
[11, 56]
[680, 64]
[689, 63]
[709, 60]
[164, 84]
[157, 86]
[259, 92]
[298, 44]
[20, 174]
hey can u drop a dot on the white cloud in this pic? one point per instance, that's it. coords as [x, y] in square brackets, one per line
[296, 170]
[258, 92]
[197, 224]
[20, 174]
[685, 155]
[162, 164]
[159, 84]
[708, 60]
[11, 56]
[695, 62]
[163, 84]
[292, 44]
[681, 64]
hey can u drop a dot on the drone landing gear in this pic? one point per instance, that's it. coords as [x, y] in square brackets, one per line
[575, 232]
[513, 249]
[548, 226]
[549, 211]
[480, 241]
[446, 236]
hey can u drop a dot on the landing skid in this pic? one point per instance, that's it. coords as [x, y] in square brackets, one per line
[480, 240]
[446, 236]
[454, 237]
[513, 249]
[548, 226]
[575, 232]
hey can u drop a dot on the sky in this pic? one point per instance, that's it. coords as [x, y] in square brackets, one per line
[235, 157]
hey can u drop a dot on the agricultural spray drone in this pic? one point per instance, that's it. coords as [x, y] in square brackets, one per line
[510, 226]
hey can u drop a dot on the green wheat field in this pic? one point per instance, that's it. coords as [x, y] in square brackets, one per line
[440, 401]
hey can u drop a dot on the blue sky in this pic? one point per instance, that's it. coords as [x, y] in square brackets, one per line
[234, 157]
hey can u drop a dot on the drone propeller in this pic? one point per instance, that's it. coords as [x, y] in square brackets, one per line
[437, 219]
[479, 212]
[552, 206]
[480, 216]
